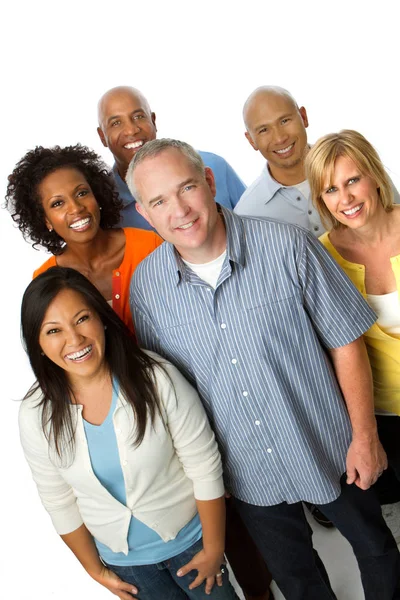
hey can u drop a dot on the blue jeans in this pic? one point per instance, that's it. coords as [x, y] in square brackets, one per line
[159, 581]
[284, 539]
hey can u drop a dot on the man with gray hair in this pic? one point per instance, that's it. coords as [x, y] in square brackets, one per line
[249, 310]
[126, 123]
[276, 127]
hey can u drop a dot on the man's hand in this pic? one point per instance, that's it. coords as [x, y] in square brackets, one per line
[208, 566]
[114, 584]
[366, 461]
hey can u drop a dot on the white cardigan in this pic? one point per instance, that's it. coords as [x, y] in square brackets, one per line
[174, 464]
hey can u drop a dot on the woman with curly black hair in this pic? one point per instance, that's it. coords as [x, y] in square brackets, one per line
[64, 200]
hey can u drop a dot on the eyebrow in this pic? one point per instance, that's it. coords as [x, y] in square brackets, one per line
[138, 110]
[57, 322]
[178, 187]
[74, 190]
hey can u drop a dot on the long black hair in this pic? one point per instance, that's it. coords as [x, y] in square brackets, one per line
[25, 206]
[133, 368]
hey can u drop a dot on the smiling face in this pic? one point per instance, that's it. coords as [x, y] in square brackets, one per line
[125, 124]
[351, 197]
[72, 336]
[69, 205]
[178, 201]
[277, 128]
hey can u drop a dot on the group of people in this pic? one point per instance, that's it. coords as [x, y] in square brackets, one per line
[202, 360]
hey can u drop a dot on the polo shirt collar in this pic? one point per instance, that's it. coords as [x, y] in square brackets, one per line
[124, 193]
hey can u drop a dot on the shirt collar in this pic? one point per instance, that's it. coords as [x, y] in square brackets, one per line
[235, 248]
[271, 185]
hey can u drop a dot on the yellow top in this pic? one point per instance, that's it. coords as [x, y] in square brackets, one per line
[383, 349]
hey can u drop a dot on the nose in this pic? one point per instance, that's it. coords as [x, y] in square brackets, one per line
[280, 135]
[180, 207]
[72, 338]
[131, 126]
[75, 206]
[346, 197]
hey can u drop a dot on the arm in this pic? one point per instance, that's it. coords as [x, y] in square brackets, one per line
[197, 450]
[81, 543]
[208, 561]
[366, 458]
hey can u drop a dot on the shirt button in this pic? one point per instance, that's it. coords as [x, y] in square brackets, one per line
[234, 361]
[316, 228]
[269, 450]
[310, 212]
[245, 393]
[117, 296]
[125, 462]
[257, 422]
[298, 199]
[117, 273]
[223, 325]
[119, 430]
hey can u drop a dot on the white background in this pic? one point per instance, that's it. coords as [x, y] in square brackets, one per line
[196, 62]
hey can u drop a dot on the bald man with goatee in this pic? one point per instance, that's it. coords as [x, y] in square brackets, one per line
[126, 123]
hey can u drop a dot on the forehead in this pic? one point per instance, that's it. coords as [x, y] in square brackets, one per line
[61, 178]
[268, 107]
[67, 301]
[157, 174]
[120, 103]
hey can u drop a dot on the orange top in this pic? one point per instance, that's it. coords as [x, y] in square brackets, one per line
[139, 243]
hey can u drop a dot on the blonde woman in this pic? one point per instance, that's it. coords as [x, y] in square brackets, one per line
[353, 195]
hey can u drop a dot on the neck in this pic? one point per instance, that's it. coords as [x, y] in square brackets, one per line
[90, 252]
[290, 176]
[82, 387]
[122, 170]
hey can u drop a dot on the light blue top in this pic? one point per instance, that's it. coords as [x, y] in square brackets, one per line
[229, 189]
[256, 349]
[145, 545]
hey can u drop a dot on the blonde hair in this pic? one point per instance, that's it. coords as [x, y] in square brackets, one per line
[320, 165]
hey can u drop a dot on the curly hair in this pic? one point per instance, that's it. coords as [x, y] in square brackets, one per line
[24, 203]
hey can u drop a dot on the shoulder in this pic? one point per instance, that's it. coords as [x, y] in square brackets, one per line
[136, 236]
[210, 159]
[30, 412]
[258, 186]
[51, 262]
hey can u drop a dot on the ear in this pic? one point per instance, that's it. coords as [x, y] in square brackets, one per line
[102, 137]
[250, 140]
[48, 224]
[153, 118]
[303, 114]
[209, 177]
[143, 212]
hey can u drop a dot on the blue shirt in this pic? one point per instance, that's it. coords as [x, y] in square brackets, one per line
[255, 347]
[229, 189]
[145, 545]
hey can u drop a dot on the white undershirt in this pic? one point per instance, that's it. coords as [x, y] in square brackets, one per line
[387, 307]
[303, 187]
[208, 272]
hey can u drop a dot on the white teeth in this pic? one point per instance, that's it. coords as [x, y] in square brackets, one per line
[80, 354]
[186, 226]
[133, 145]
[353, 210]
[79, 224]
[285, 149]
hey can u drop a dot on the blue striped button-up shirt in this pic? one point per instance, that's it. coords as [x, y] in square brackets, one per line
[255, 348]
